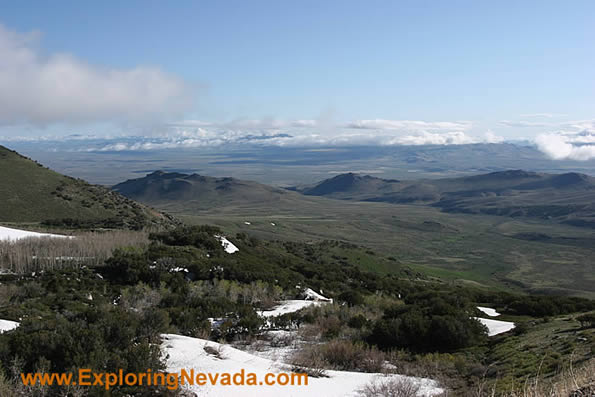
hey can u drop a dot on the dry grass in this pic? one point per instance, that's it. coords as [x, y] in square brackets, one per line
[572, 382]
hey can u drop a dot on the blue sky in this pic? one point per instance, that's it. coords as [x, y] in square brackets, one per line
[516, 69]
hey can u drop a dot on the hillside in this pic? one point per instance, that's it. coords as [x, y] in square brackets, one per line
[32, 193]
[566, 198]
[175, 191]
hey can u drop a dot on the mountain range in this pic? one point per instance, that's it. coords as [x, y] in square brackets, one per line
[567, 198]
[564, 198]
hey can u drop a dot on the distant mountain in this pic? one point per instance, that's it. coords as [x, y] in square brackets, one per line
[197, 192]
[30, 192]
[567, 198]
[345, 186]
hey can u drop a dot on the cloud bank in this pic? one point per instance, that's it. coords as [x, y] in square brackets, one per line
[563, 140]
[410, 125]
[564, 146]
[304, 133]
[41, 90]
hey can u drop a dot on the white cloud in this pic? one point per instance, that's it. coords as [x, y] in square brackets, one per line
[567, 146]
[410, 125]
[490, 137]
[428, 138]
[41, 90]
[415, 132]
[542, 115]
[296, 133]
[252, 124]
[524, 124]
[188, 137]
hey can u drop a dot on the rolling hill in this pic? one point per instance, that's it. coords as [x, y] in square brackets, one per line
[565, 198]
[177, 192]
[31, 193]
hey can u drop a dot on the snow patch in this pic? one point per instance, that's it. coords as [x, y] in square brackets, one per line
[247, 223]
[227, 245]
[184, 352]
[489, 311]
[310, 294]
[288, 306]
[9, 234]
[7, 325]
[495, 327]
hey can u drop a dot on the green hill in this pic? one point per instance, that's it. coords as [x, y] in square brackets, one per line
[32, 193]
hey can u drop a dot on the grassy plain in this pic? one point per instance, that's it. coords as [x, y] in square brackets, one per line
[478, 249]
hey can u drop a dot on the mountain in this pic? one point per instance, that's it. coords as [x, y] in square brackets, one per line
[567, 198]
[30, 192]
[345, 186]
[197, 192]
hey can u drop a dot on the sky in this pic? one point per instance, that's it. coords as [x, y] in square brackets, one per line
[301, 73]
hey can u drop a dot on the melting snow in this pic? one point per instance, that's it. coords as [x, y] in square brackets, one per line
[227, 245]
[489, 311]
[288, 306]
[7, 325]
[496, 327]
[188, 353]
[310, 294]
[10, 234]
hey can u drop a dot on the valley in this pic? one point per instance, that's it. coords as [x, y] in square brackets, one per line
[362, 295]
[538, 254]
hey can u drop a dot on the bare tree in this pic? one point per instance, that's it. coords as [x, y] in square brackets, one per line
[91, 248]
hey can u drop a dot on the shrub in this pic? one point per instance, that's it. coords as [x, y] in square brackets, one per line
[422, 330]
[358, 321]
[308, 361]
[587, 320]
[342, 355]
[395, 387]
[352, 298]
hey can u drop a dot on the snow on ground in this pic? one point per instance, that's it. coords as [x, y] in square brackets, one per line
[276, 345]
[496, 327]
[310, 294]
[7, 325]
[311, 298]
[188, 353]
[247, 223]
[489, 311]
[227, 245]
[288, 306]
[10, 234]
